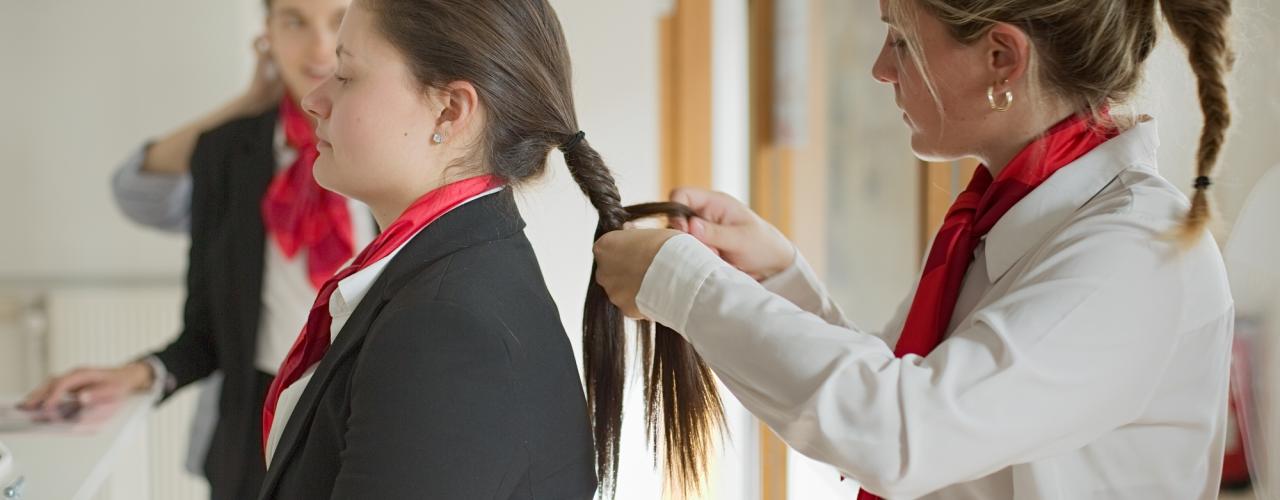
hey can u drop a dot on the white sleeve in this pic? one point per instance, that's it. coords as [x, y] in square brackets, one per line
[162, 382]
[800, 285]
[1058, 362]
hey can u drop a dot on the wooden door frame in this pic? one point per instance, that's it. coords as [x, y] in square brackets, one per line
[772, 171]
[685, 95]
[686, 136]
[940, 183]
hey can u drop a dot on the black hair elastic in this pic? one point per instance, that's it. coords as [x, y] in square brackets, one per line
[573, 142]
[1203, 182]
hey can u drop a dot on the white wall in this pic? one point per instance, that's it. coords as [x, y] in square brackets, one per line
[614, 46]
[1170, 95]
[85, 83]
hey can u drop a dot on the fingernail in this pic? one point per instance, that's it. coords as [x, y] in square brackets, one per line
[695, 227]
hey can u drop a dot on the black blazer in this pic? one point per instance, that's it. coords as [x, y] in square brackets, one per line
[453, 379]
[230, 168]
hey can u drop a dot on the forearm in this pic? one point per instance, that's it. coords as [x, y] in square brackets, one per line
[172, 153]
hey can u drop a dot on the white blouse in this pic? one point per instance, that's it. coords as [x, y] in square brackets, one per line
[1087, 357]
[287, 291]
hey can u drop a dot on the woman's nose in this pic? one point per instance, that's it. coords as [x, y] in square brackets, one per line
[885, 69]
[316, 103]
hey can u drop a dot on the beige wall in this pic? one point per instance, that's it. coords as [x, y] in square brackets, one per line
[1170, 96]
[85, 83]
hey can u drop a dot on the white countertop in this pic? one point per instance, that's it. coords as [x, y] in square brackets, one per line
[72, 463]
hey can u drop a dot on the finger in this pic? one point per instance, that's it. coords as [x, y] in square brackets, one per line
[678, 223]
[695, 198]
[36, 398]
[710, 205]
[606, 242]
[97, 394]
[598, 248]
[64, 386]
[633, 312]
[711, 234]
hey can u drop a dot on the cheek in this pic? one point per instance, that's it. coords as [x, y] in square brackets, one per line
[288, 49]
[287, 59]
[917, 102]
[336, 169]
[372, 143]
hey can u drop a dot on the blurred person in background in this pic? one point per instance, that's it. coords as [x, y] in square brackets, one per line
[264, 236]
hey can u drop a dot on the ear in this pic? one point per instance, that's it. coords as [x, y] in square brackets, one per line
[459, 107]
[1008, 53]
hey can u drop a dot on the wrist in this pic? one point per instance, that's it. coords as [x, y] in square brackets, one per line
[140, 375]
[786, 259]
[243, 105]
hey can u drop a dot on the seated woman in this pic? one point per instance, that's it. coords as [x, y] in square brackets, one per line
[436, 365]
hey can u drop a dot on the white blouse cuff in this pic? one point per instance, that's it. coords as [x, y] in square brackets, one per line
[798, 284]
[673, 280]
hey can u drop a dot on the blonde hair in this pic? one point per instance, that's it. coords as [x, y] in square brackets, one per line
[1090, 53]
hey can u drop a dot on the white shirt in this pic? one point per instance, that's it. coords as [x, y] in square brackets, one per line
[344, 301]
[287, 291]
[1087, 357]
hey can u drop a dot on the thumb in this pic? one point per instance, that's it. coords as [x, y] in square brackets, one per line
[711, 234]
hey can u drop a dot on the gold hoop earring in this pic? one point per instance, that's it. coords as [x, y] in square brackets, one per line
[1008, 98]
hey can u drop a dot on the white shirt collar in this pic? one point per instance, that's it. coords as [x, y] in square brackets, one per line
[1051, 204]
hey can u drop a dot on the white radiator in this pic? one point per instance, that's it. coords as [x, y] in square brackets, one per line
[108, 326]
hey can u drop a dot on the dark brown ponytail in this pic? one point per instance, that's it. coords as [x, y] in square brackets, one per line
[513, 52]
[682, 405]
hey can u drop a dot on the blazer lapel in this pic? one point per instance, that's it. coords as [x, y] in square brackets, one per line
[300, 420]
[253, 166]
[486, 219]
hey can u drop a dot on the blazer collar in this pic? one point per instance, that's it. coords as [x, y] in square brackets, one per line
[1050, 205]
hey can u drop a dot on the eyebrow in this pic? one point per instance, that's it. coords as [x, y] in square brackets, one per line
[886, 19]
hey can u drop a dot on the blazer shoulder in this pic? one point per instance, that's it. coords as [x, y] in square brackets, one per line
[245, 130]
[435, 331]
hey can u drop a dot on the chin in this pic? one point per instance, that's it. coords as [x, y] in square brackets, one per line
[322, 173]
[927, 149]
[924, 151]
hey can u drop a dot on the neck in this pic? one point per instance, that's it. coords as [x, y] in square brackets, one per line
[997, 156]
[386, 211]
[389, 208]
[386, 215]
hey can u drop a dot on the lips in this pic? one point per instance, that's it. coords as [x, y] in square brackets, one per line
[322, 141]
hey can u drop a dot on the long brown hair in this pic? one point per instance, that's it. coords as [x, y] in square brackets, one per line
[1092, 54]
[513, 52]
